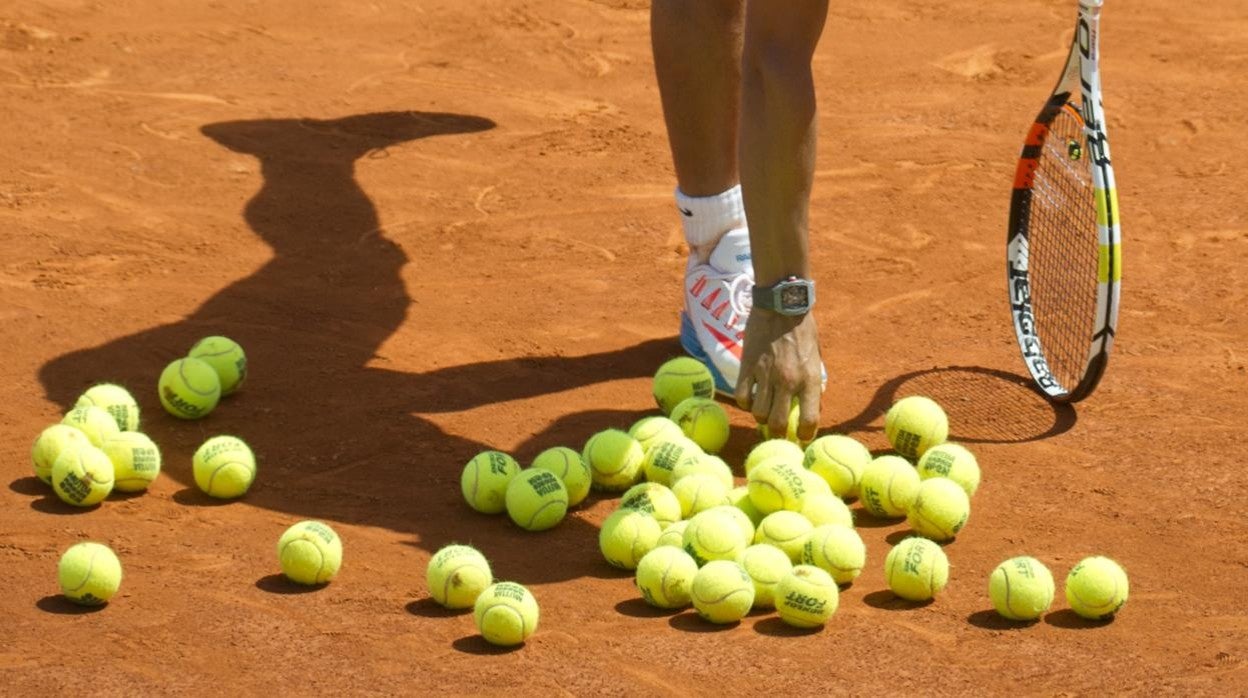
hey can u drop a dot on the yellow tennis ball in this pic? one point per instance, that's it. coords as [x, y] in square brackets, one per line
[536, 500]
[822, 509]
[225, 357]
[777, 484]
[484, 481]
[953, 461]
[795, 414]
[189, 388]
[665, 577]
[766, 565]
[1021, 588]
[626, 536]
[743, 521]
[224, 467]
[114, 400]
[506, 614]
[83, 476]
[940, 509]
[705, 464]
[723, 591]
[837, 550]
[739, 497]
[787, 530]
[567, 465]
[889, 486]
[135, 458]
[914, 424]
[615, 460]
[713, 535]
[653, 499]
[773, 448]
[1096, 588]
[679, 379]
[49, 445]
[916, 569]
[839, 460]
[807, 597]
[89, 573]
[456, 576]
[663, 457]
[97, 424]
[814, 485]
[310, 553]
[704, 421]
[651, 430]
[697, 493]
[673, 535]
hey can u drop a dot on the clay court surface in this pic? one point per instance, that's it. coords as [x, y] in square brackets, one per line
[444, 226]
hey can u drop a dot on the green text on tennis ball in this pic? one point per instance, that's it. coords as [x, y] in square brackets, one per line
[135, 458]
[664, 456]
[1021, 588]
[89, 574]
[782, 449]
[484, 481]
[226, 358]
[536, 500]
[50, 443]
[114, 400]
[806, 597]
[679, 379]
[653, 499]
[914, 424]
[224, 467]
[1096, 588]
[776, 484]
[953, 461]
[310, 553]
[665, 577]
[189, 388]
[457, 575]
[506, 614]
[567, 465]
[82, 477]
[704, 421]
[916, 569]
[889, 486]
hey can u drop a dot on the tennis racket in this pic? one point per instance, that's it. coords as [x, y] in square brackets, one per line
[1064, 245]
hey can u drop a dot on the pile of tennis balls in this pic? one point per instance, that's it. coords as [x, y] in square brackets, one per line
[98, 449]
[459, 577]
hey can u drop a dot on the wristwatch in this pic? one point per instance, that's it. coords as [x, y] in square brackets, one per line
[791, 296]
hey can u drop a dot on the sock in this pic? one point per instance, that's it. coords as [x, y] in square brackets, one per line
[707, 218]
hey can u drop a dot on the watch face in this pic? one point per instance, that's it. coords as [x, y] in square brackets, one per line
[792, 297]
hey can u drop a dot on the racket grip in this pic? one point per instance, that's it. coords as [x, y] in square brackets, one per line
[1091, 4]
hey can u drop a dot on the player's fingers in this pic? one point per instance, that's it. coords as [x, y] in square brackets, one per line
[808, 422]
[761, 407]
[778, 421]
[745, 390]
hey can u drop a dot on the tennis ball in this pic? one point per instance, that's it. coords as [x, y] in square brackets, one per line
[457, 575]
[773, 448]
[953, 461]
[114, 400]
[723, 591]
[1021, 588]
[839, 460]
[224, 467]
[626, 536]
[485, 479]
[916, 569]
[822, 509]
[567, 465]
[89, 573]
[226, 358]
[536, 500]
[615, 460]
[653, 499]
[506, 614]
[82, 476]
[705, 464]
[697, 493]
[766, 565]
[787, 530]
[713, 535]
[704, 421]
[651, 430]
[673, 535]
[679, 379]
[914, 424]
[889, 486]
[795, 414]
[135, 458]
[1096, 588]
[837, 550]
[309, 553]
[814, 485]
[806, 597]
[776, 484]
[50, 443]
[743, 522]
[739, 497]
[189, 388]
[97, 424]
[665, 577]
[663, 457]
[940, 509]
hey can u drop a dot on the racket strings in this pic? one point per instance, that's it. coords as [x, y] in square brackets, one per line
[1063, 250]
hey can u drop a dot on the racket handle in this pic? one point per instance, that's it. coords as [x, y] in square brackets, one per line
[1091, 4]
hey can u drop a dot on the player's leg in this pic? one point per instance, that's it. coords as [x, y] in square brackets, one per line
[777, 161]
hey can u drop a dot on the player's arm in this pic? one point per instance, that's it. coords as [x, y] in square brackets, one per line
[777, 160]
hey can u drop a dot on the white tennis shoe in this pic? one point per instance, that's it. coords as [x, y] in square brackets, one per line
[718, 297]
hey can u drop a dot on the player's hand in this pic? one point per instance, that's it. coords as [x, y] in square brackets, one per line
[780, 361]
